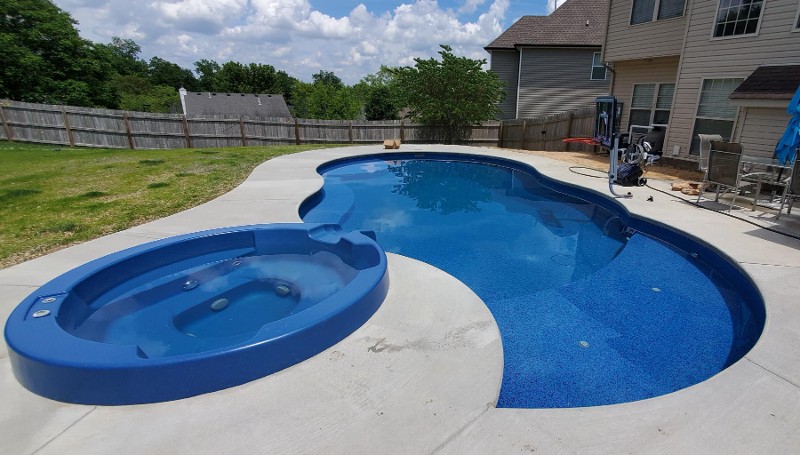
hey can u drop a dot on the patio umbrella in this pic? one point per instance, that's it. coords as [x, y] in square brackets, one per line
[787, 146]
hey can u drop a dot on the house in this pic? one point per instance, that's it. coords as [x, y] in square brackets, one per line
[552, 63]
[726, 67]
[233, 104]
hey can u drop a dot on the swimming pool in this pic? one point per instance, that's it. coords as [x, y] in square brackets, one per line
[195, 313]
[594, 306]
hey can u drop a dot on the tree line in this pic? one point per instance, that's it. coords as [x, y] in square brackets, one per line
[45, 60]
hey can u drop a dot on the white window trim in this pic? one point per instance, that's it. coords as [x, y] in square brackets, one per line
[697, 106]
[654, 17]
[591, 71]
[745, 35]
[796, 24]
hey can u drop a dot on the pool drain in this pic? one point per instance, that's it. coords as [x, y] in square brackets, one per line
[583, 344]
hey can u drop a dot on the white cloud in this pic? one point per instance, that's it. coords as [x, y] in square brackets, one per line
[290, 34]
[470, 6]
[199, 16]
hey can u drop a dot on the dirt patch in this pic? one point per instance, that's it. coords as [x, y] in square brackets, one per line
[600, 162]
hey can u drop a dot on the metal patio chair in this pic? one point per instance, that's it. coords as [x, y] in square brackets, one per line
[722, 169]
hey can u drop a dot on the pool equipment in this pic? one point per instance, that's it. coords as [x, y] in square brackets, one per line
[608, 111]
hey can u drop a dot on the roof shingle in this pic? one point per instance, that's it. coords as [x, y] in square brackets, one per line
[777, 82]
[575, 23]
[236, 104]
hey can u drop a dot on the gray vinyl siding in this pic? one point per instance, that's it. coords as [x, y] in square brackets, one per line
[554, 80]
[759, 129]
[651, 39]
[506, 65]
[646, 71]
[705, 57]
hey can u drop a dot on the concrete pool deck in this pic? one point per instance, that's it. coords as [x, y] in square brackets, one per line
[422, 375]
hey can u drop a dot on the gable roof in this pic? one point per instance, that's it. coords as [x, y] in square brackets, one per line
[776, 82]
[235, 104]
[566, 26]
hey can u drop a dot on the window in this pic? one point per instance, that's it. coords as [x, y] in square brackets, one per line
[715, 114]
[598, 69]
[738, 17]
[797, 20]
[651, 104]
[651, 10]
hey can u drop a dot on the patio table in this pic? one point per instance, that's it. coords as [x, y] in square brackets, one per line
[773, 173]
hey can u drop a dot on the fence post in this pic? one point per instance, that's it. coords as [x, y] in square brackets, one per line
[185, 125]
[243, 131]
[9, 134]
[351, 131]
[402, 132]
[128, 131]
[500, 135]
[570, 117]
[296, 132]
[70, 138]
[524, 133]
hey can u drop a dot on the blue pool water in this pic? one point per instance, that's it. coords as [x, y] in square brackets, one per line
[590, 311]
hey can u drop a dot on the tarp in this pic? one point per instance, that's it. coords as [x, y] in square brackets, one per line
[786, 150]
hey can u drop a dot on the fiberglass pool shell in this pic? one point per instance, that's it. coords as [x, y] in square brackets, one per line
[195, 313]
[635, 326]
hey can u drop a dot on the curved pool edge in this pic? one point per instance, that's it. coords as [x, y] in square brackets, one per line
[734, 411]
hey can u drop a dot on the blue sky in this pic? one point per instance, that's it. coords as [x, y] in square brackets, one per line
[302, 37]
[516, 8]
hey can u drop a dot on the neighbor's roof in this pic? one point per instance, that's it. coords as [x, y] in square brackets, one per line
[236, 104]
[566, 26]
[776, 82]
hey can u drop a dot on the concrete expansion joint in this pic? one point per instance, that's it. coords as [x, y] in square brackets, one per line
[787, 380]
[78, 420]
[461, 430]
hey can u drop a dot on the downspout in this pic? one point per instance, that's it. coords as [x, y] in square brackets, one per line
[603, 50]
[667, 146]
[519, 78]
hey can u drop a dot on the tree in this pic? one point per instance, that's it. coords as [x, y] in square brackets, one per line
[449, 95]
[151, 98]
[326, 98]
[326, 102]
[239, 78]
[44, 59]
[378, 93]
[207, 74]
[327, 78]
[163, 72]
[123, 54]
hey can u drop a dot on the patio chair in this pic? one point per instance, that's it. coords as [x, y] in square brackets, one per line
[705, 146]
[724, 161]
[793, 192]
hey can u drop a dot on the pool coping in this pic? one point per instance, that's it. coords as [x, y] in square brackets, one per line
[422, 375]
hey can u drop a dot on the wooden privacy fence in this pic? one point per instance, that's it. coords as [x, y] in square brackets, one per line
[90, 127]
[548, 132]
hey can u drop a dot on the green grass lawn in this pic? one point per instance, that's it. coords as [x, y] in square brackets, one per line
[52, 196]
